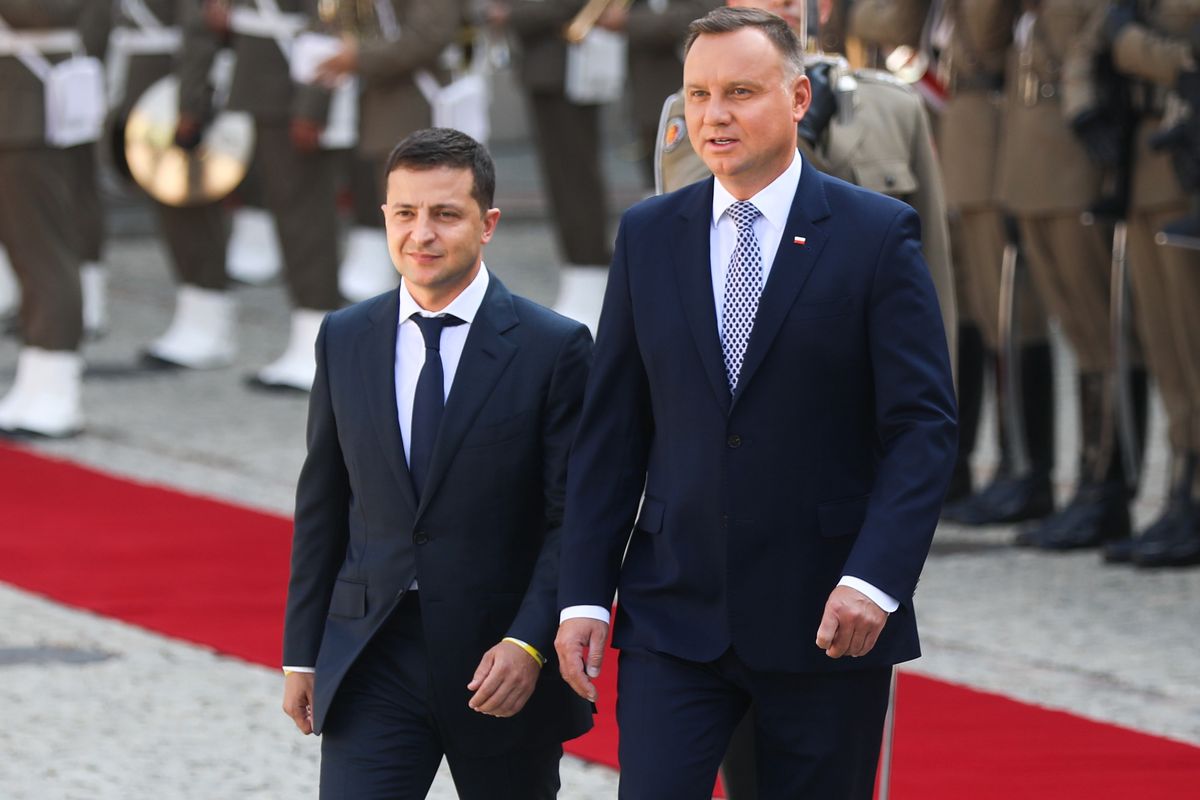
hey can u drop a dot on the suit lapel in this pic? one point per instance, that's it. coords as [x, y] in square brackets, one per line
[693, 271]
[485, 355]
[789, 272]
[377, 361]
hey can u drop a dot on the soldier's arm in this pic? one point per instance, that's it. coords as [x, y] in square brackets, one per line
[1147, 54]
[930, 204]
[669, 27]
[1079, 90]
[889, 23]
[541, 17]
[41, 13]
[194, 60]
[424, 33]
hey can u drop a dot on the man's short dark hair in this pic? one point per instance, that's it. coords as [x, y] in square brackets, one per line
[727, 20]
[445, 147]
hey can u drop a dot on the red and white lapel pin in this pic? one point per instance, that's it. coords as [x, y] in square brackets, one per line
[800, 240]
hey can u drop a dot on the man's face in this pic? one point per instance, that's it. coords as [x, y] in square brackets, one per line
[436, 231]
[791, 10]
[741, 109]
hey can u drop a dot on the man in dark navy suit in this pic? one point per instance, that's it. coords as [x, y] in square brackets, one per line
[421, 607]
[771, 372]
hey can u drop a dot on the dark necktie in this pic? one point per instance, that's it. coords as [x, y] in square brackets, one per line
[430, 398]
[743, 286]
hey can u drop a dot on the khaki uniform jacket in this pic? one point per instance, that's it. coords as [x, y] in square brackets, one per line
[969, 132]
[390, 105]
[538, 25]
[887, 146]
[1044, 168]
[22, 98]
[1154, 50]
[888, 23]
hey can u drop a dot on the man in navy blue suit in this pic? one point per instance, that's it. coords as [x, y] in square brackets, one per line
[421, 606]
[771, 374]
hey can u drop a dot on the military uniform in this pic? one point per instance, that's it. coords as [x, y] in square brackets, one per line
[974, 38]
[146, 36]
[656, 30]
[884, 144]
[392, 48]
[1153, 51]
[35, 205]
[888, 23]
[567, 135]
[1046, 181]
[299, 187]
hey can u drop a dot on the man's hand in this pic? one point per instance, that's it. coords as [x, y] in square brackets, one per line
[851, 624]
[297, 699]
[216, 16]
[615, 18]
[188, 132]
[333, 70]
[504, 680]
[305, 135]
[574, 637]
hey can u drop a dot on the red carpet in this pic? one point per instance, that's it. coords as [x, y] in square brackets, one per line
[215, 574]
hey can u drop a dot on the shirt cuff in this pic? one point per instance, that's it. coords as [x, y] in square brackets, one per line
[585, 612]
[875, 595]
[286, 670]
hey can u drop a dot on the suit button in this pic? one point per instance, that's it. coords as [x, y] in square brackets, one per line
[421, 537]
[734, 441]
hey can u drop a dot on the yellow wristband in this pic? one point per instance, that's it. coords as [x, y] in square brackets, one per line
[528, 648]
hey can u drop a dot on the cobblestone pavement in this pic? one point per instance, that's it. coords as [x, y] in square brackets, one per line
[98, 709]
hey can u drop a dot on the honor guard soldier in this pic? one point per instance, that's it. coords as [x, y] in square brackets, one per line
[973, 39]
[566, 131]
[1151, 44]
[1046, 182]
[298, 175]
[869, 129]
[147, 36]
[387, 53]
[40, 43]
[88, 228]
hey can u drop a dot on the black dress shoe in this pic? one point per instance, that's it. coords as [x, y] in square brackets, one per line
[960, 484]
[1118, 551]
[1175, 545]
[1099, 514]
[1010, 499]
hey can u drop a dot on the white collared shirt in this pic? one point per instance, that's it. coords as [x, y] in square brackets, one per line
[410, 345]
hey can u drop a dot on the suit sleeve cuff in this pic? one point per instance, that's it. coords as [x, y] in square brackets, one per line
[286, 670]
[588, 612]
[875, 595]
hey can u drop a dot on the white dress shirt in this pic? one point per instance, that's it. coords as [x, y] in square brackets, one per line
[410, 346]
[774, 204]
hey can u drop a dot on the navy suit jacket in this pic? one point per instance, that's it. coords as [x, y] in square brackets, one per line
[483, 540]
[831, 458]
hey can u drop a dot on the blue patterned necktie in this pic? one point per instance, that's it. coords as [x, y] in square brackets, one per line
[429, 399]
[743, 285]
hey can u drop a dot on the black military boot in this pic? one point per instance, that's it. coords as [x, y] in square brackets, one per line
[972, 360]
[1099, 512]
[1177, 543]
[1016, 498]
